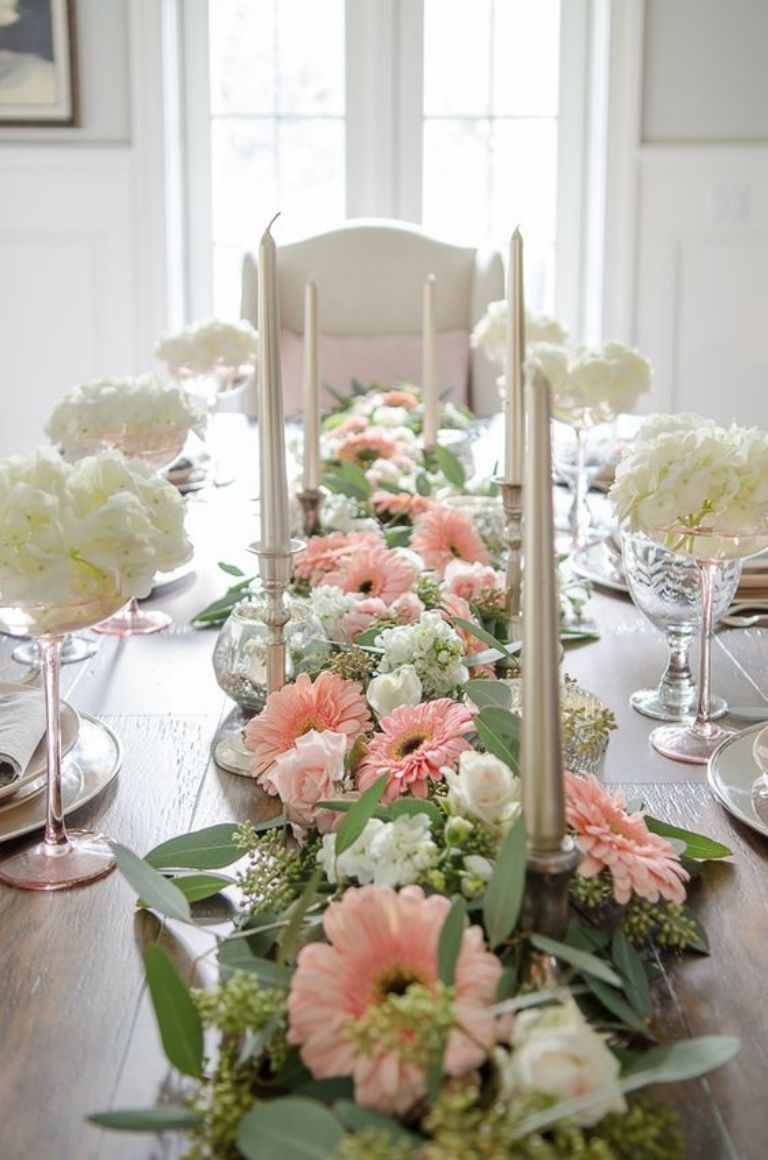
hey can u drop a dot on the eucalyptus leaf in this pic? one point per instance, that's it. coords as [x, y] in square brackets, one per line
[207, 849]
[499, 731]
[478, 631]
[181, 1029]
[356, 819]
[410, 807]
[449, 943]
[697, 846]
[356, 1119]
[231, 569]
[355, 474]
[618, 1006]
[236, 955]
[451, 467]
[197, 887]
[398, 537]
[423, 486]
[585, 963]
[343, 486]
[504, 892]
[488, 694]
[628, 962]
[161, 1118]
[155, 890]
[289, 1129]
[676, 1062]
[298, 912]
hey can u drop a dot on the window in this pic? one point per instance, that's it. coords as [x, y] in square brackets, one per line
[444, 112]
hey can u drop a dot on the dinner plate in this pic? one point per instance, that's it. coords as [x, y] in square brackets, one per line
[70, 727]
[600, 564]
[90, 767]
[734, 776]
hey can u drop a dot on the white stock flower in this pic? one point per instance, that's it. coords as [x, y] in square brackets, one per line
[431, 646]
[390, 417]
[330, 605]
[485, 788]
[555, 1051]
[394, 853]
[389, 690]
[201, 347]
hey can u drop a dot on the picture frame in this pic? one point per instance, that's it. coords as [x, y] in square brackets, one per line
[38, 63]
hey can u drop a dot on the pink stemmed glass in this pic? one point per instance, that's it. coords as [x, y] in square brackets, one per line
[133, 620]
[63, 858]
[696, 742]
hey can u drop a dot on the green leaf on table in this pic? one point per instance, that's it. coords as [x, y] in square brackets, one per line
[161, 1118]
[399, 537]
[585, 963]
[614, 1002]
[357, 818]
[499, 731]
[504, 892]
[181, 1029]
[197, 887]
[630, 966]
[488, 694]
[356, 1119]
[676, 1062]
[355, 474]
[207, 849]
[231, 569]
[697, 846]
[296, 914]
[289, 1129]
[482, 634]
[155, 891]
[449, 943]
[571, 632]
[451, 467]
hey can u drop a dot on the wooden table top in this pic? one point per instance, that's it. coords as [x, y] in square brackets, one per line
[76, 1028]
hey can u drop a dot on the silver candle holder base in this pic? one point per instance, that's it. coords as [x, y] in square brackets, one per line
[276, 569]
[512, 502]
[310, 501]
[545, 905]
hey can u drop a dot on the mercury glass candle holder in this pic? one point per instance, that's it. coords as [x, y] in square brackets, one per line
[587, 724]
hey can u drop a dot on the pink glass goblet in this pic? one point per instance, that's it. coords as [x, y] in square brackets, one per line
[696, 741]
[63, 858]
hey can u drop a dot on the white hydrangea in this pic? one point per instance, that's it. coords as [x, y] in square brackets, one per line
[592, 383]
[431, 646]
[685, 470]
[490, 333]
[395, 853]
[341, 513]
[140, 415]
[330, 605]
[201, 347]
[103, 525]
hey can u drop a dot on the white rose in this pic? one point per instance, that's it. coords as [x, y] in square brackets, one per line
[390, 690]
[484, 788]
[557, 1052]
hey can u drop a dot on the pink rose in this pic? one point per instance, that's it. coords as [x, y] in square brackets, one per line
[407, 608]
[310, 772]
[362, 616]
[469, 580]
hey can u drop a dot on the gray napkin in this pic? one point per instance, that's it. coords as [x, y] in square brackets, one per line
[22, 724]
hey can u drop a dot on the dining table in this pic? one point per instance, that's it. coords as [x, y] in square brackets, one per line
[77, 1030]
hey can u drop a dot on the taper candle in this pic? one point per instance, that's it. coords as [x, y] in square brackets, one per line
[514, 435]
[429, 370]
[311, 476]
[541, 752]
[275, 522]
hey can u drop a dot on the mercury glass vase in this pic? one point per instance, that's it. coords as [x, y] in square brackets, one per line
[665, 587]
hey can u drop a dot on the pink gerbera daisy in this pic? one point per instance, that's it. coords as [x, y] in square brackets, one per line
[415, 743]
[442, 535]
[323, 554]
[639, 861]
[331, 703]
[364, 448]
[380, 943]
[379, 571]
[401, 503]
[400, 398]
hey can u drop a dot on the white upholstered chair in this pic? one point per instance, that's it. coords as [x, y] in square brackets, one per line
[370, 275]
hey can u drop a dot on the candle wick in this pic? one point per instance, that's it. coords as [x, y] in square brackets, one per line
[517, 233]
[274, 219]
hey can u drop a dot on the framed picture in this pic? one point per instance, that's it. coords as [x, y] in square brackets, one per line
[38, 82]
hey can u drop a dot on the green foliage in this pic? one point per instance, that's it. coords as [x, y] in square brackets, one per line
[162, 1118]
[504, 892]
[449, 945]
[499, 731]
[450, 466]
[359, 815]
[289, 1129]
[179, 1023]
[153, 889]
[697, 846]
[208, 849]
[586, 964]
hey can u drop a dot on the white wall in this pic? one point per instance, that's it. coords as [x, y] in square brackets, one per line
[687, 201]
[82, 232]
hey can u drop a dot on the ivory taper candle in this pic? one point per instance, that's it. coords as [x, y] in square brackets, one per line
[429, 369]
[275, 522]
[514, 434]
[311, 476]
[541, 753]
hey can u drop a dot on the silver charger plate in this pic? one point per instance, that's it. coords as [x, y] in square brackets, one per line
[90, 767]
[70, 728]
[602, 565]
[732, 772]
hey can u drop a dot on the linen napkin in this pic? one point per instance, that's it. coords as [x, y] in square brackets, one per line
[22, 724]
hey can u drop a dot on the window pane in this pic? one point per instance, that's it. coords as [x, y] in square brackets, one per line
[244, 178]
[311, 180]
[525, 57]
[524, 178]
[310, 55]
[242, 58]
[227, 277]
[456, 178]
[457, 57]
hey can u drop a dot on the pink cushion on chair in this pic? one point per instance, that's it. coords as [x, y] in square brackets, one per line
[378, 358]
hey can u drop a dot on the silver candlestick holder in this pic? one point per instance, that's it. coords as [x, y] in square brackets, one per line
[276, 569]
[310, 500]
[512, 502]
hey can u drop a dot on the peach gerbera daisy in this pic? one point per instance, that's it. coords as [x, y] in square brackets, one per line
[380, 943]
[364, 448]
[331, 703]
[442, 535]
[400, 398]
[323, 554]
[415, 743]
[382, 572]
[639, 861]
[401, 503]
